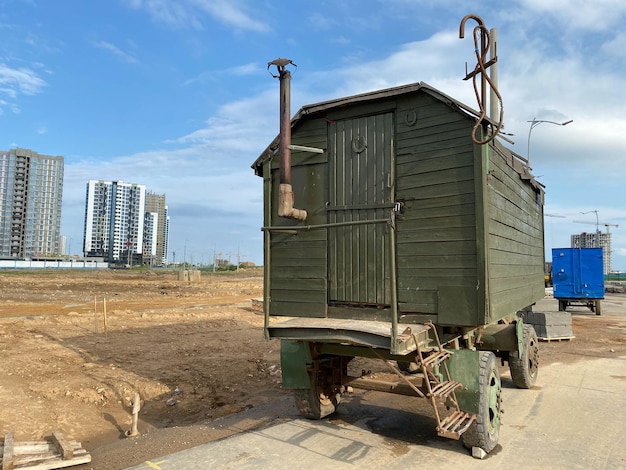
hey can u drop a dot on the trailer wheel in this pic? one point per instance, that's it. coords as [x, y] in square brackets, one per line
[485, 431]
[562, 305]
[318, 401]
[524, 369]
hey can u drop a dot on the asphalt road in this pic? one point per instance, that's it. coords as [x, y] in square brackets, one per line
[575, 418]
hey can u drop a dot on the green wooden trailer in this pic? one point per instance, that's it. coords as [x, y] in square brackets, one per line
[413, 245]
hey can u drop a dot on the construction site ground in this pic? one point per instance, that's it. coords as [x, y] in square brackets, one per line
[77, 345]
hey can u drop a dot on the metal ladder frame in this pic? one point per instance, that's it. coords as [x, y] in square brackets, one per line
[454, 425]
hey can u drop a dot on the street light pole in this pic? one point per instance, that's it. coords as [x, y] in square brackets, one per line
[597, 237]
[534, 123]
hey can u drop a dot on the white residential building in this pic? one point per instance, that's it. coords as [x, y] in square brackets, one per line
[114, 221]
[31, 193]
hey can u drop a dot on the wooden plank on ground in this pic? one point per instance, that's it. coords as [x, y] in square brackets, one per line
[7, 452]
[42, 455]
[63, 446]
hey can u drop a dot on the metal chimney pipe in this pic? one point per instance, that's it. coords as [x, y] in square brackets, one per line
[285, 126]
[285, 190]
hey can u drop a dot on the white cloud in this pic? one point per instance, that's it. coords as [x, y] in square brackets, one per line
[14, 82]
[176, 14]
[187, 13]
[615, 46]
[231, 12]
[251, 68]
[245, 69]
[21, 80]
[598, 15]
[239, 126]
[125, 56]
[322, 22]
[342, 40]
[433, 61]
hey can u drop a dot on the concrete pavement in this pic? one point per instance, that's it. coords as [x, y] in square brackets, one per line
[575, 418]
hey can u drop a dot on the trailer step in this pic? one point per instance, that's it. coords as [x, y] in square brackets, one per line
[436, 358]
[440, 386]
[455, 425]
[443, 389]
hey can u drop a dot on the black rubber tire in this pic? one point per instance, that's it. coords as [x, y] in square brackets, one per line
[562, 305]
[485, 431]
[525, 369]
[318, 401]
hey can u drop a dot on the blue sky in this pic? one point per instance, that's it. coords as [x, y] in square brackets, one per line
[175, 95]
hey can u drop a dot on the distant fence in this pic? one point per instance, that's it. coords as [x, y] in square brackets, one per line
[615, 277]
[52, 264]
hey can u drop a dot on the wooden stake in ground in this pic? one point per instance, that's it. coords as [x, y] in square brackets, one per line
[106, 322]
[136, 406]
[95, 313]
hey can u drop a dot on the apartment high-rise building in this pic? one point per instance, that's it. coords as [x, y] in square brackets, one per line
[157, 211]
[31, 193]
[150, 224]
[114, 221]
[595, 240]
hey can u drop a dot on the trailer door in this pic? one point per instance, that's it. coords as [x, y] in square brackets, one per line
[360, 189]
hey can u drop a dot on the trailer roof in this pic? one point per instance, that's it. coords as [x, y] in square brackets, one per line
[309, 111]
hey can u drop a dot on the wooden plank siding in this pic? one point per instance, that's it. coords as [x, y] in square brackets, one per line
[436, 233]
[468, 239]
[515, 239]
[298, 274]
[359, 190]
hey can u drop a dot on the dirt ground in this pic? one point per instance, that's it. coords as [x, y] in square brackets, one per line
[194, 351]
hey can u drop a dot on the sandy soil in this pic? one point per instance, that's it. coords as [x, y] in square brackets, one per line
[194, 351]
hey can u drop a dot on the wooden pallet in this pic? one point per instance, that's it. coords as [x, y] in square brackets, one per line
[557, 339]
[41, 455]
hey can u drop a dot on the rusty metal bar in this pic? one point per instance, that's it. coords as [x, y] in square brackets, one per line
[320, 226]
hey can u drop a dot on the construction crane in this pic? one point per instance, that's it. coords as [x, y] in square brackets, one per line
[597, 224]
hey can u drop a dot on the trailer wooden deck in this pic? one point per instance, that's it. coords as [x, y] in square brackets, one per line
[374, 334]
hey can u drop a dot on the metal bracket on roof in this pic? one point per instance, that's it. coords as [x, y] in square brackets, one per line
[303, 148]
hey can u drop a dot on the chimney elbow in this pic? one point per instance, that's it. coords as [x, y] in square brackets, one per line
[285, 204]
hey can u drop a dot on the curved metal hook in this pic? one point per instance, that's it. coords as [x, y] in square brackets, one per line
[481, 35]
[472, 16]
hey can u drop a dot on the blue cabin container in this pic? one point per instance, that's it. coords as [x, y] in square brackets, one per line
[578, 276]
